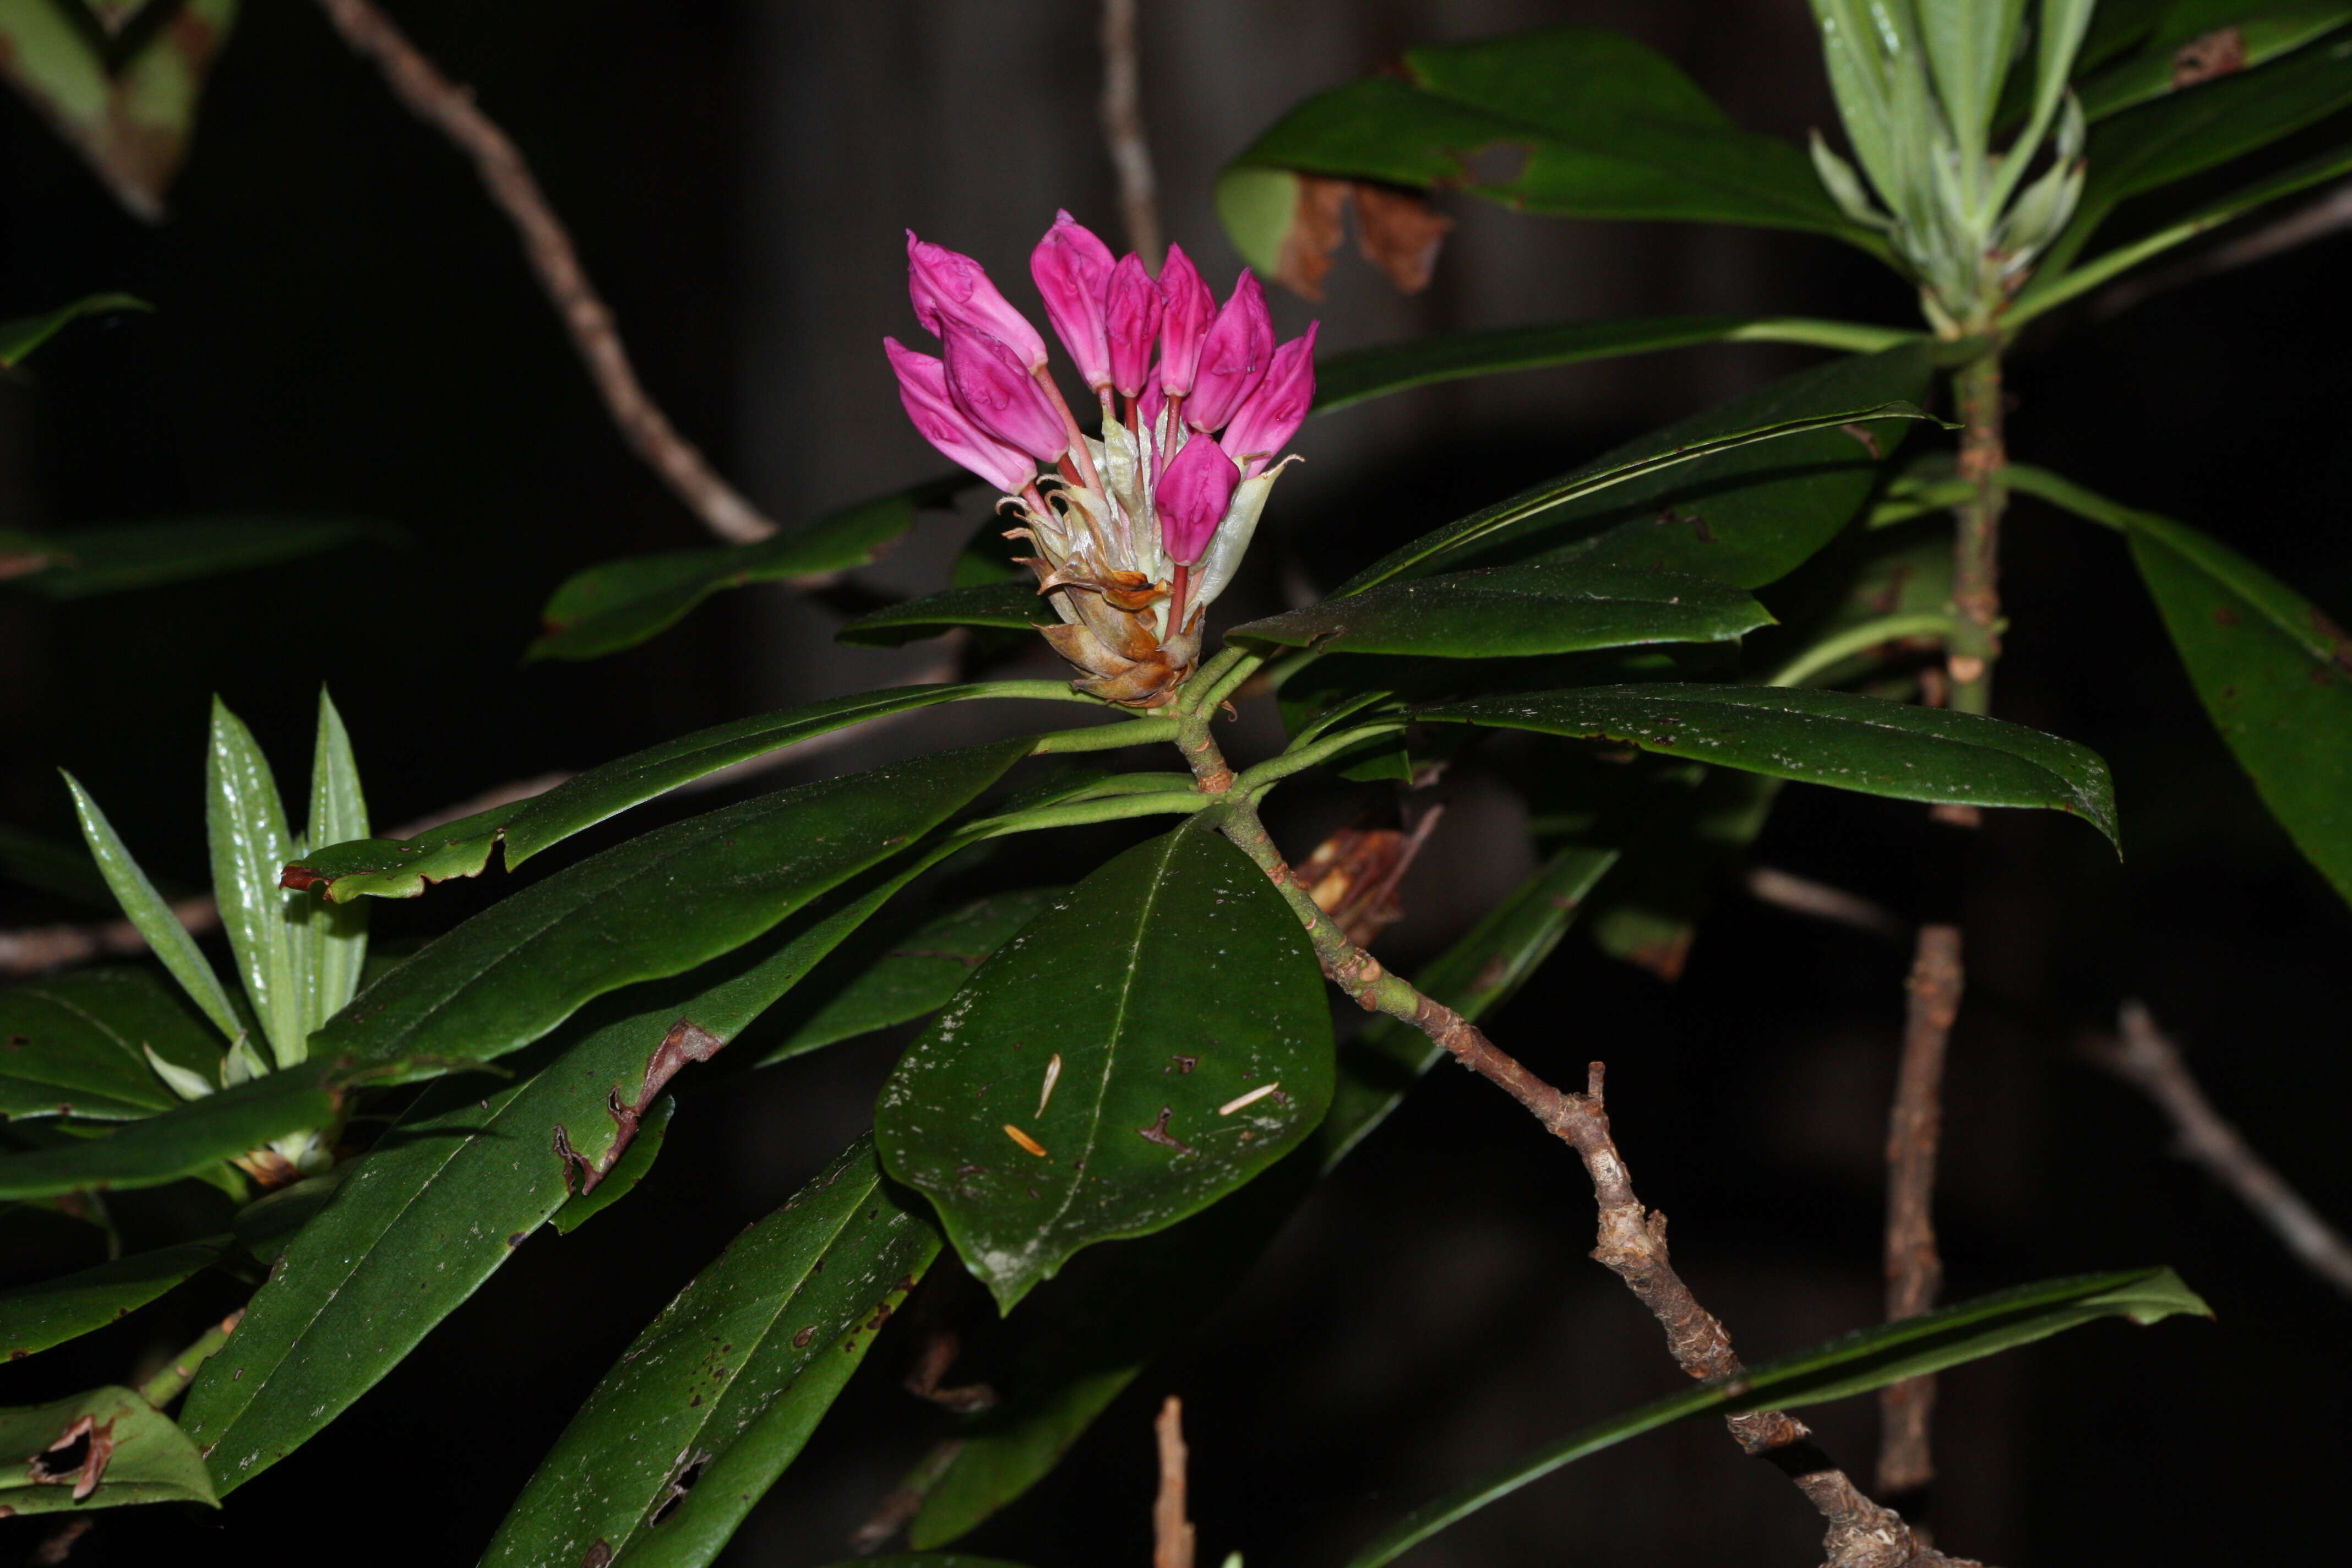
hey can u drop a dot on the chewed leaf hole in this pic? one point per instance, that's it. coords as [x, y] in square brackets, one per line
[681, 1481]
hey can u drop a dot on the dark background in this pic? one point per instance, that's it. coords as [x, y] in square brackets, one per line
[345, 327]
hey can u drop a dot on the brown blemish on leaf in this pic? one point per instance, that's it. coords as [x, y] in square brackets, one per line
[687, 1041]
[1157, 1133]
[301, 879]
[801, 1340]
[2224, 616]
[1868, 437]
[1665, 959]
[599, 1556]
[2218, 53]
[2340, 646]
[97, 1444]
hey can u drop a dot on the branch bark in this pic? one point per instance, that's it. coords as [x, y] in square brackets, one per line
[1976, 553]
[1171, 1532]
[449, 109]
[1122, 119]
[2144, 1057]
[1631, 1240]
[1915, 1273]
[2314, 220]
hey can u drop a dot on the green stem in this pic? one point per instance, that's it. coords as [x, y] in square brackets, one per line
[1106, 737]
[172, 1381]
[1853, 337]
[1230, 680]
[1195, 696]
[1085, 812]
[1975, 549]
[1042, 691]
[1870, 633]
[1300, 757]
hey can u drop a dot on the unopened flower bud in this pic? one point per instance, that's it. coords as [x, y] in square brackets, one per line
[952, 289]
[1235, 354]
[1276, 409]
[1073, 270]
[994, 391]
[1186, 309]
[923, 389]
[1192, 495]
[1131, 321]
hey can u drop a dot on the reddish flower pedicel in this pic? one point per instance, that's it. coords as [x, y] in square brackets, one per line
[1139, 527]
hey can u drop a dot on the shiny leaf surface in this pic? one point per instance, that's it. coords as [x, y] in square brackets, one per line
[186, 1141]
[391, 867]
[35, 1317]
[1172, 984]
[75, 1046]
[1506, 612]
[1832, 738]
[1016, 605]
[652, 907]
[719, 1393]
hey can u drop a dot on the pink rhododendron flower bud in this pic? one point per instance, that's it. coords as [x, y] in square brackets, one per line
[1186, 309]
[1276, 409]
[923, 388]
[952, 289]
[1132, 320]
[1191, 496]
[995, 390]
[1235, 354]
[1072, 268]
[1151, 404]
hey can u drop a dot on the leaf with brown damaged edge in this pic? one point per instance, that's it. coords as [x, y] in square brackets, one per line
[675, 1444]
[654, 906]
[1857, 1364]
[439, 1205]
[105, 1448]
[602, 1189]
[186, 1141]
[35, 1317]
[1084, 1337]
[400, 869]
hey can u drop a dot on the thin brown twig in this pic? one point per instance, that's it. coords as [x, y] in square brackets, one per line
[1914, 1272]
[1122, 119]
[1632, 1241]
[1804, 896]
[441, 103]
[2143, 1056]
[1171, 1532]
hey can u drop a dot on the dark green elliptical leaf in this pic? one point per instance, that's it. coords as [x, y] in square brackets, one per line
[1016, 605]
[1344, 380]
[620, 604]
[442, 1201]
[1591, 124]
[1812, 406]
[1090, 1332]
[1173, 983]
[152, 1460]
[2274, 674]
[35, 1317]
[70, 1045]
[186, 1141]
[653, 906]
[1832, 738]
[397, 867]
[1869, 1358]
[1508, 612]
[2263, 29]
[718, 1394]
[116, 557]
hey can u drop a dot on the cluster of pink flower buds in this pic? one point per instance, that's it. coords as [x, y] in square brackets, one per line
[1137, 528]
